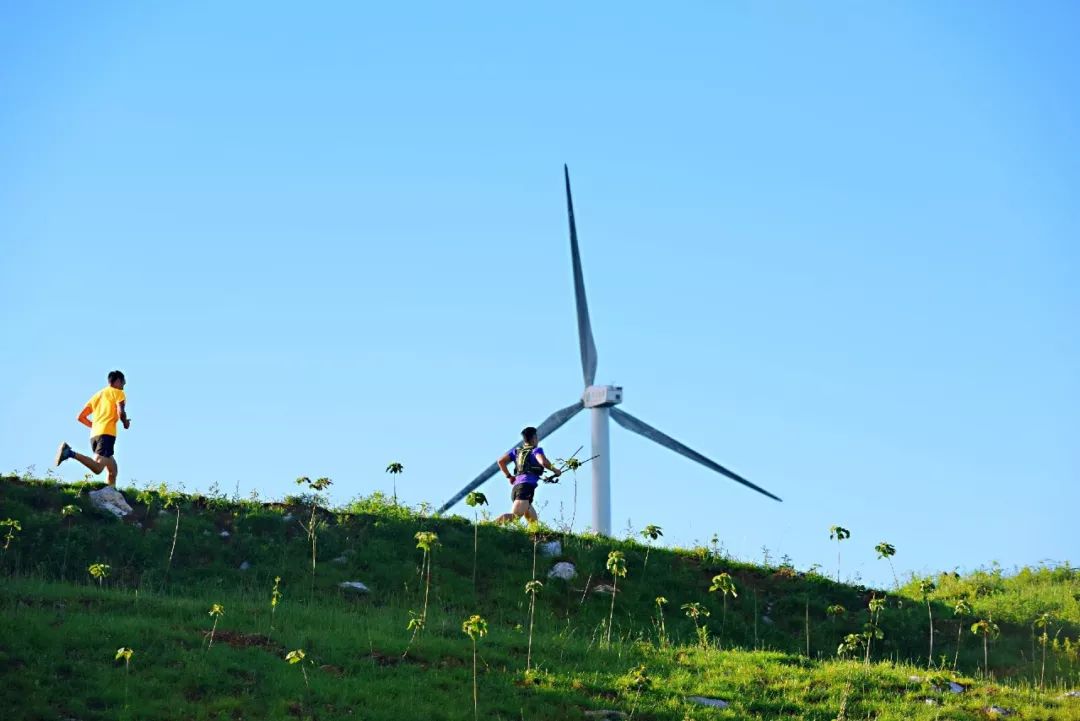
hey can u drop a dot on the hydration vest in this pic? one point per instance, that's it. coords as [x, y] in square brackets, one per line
[525, 462]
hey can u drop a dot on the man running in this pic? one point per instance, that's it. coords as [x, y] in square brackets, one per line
[529, 464]
[107, 407]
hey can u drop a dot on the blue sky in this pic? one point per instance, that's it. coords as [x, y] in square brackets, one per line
[831, 245]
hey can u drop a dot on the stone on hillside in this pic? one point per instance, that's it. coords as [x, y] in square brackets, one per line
[340, 559]
[551, 548]
[930, 701]
[354, 586]
[603, 588]
[706, 701]
[1000, 711]
[564, 570]
[245, 566]
[111, 500]
[766, 620]
[224, 534]
[916, 679]
[956, 688]
[1071, 694]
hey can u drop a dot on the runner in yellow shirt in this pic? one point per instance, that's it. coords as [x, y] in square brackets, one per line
[107, 407]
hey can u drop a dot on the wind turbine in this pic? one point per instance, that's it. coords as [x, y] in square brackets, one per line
[601, 401]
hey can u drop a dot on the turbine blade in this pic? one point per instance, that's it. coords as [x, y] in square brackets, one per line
[553, 422]
[585, 336]
[630, 423]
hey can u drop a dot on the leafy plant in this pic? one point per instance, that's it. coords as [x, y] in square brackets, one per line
[473, 500]
[68, 513]
[851, 643]
[695, 611]
[1043, 621]
[887, 551]
[426, 541]
[660, 603]
[926, 589]
[872, 630]
[572, 464]
[651, 533]
[314, 523]
[960, 609]
[835, 611]
[987, 629]
[275, 599]
[125, 653]
[216, 612]
[170, 499]
[532, 588]
[13, 527]
[100, 571]
[616, 565]
[474, 627]
[724, 585]
[297, 658]
[395, 469]
[838, 534]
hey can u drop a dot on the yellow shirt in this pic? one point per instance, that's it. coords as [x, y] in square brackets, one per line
[103, 407]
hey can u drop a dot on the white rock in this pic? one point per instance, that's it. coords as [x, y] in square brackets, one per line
[1000, 711]
[111, 500]
[930, 701]
[551, 548]
[956, 688]
[564, 570]
[245, 566]
[706, 701]
[340, 559]
[1071, 694]
[916, 679]
[603, 588]
[354, 586]
[224, 534]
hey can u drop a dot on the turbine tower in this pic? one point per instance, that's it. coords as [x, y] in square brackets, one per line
[602, 402]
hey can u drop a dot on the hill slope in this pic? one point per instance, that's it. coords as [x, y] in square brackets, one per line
[60, 631]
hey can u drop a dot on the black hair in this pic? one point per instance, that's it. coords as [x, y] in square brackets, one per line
[529, 434]
[115, 376]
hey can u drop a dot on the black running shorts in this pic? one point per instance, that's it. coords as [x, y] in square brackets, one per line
[523, 492]
[103, 445]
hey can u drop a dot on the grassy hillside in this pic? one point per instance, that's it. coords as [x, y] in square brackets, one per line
[60, 630]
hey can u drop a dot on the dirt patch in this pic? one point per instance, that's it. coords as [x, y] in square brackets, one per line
[385, 660]
[245, 640]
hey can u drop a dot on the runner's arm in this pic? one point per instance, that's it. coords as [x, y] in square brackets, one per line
[84, 417]
[122, 405]
[547, 464]
[503, 463]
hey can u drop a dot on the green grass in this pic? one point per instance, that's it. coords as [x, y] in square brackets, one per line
[59, 637]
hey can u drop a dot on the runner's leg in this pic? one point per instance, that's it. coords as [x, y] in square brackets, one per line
[95, 464]
[109, 463]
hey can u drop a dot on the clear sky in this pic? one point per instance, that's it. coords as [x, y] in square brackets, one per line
[833, 246]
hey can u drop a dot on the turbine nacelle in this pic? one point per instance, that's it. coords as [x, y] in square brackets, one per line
[602, 396]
